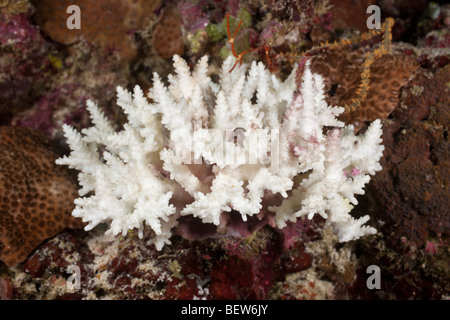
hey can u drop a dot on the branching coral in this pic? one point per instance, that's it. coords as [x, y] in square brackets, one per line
[205, 148]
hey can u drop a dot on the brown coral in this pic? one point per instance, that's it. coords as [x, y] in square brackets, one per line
[342, 69]
[421, 94]
[106, 23]
[412, 190]
[167, 37]
[36, 195]
[349, 13]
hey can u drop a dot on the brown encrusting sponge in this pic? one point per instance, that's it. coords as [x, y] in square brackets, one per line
[341, 71]
[106, 23]
[36, 195]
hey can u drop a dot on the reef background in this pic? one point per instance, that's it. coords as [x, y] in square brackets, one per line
[47, 72]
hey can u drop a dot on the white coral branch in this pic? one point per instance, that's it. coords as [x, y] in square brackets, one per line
[205, 148]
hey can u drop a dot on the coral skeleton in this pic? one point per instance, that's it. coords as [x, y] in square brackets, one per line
[248, 143]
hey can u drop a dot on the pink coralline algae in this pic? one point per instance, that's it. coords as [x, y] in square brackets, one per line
[16, 30]
[24, 63]
[41, 118]
[430, 247]
[192, 15]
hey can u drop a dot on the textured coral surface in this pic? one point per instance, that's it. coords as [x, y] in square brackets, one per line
[412, 191]
[387, 75]
[106, 23]
[167, 37]
[37, 195]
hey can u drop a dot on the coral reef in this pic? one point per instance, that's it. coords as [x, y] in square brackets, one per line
[81, 74]
[42, 87]
[126, 268]
[398, 74]
[36, 196]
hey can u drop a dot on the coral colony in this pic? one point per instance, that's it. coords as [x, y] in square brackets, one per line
[248, 143]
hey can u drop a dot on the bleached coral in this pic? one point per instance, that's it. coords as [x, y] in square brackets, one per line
[205, 148]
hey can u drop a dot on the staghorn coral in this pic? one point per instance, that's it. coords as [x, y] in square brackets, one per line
[36, 196]
[342, 69]
[106, 23]
[169, 160]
